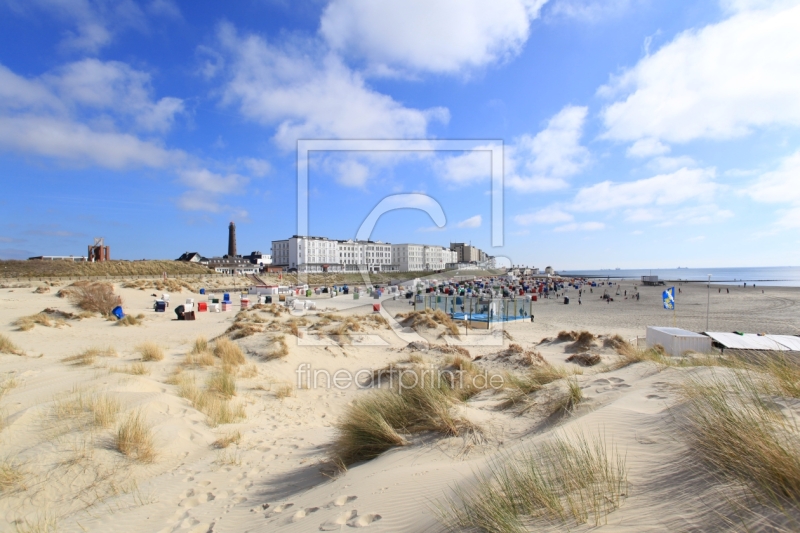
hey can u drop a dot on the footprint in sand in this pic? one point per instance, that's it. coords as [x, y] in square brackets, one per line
[364, 520]
[621, 386]
[600, 382]
[335, 524]
[302, 513]
[616, 380]
[341, 500]
[279, 509]
[656, 397]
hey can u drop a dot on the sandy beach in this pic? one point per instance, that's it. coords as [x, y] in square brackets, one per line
[271, 470]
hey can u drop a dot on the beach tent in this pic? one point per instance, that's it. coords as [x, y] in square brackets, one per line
[676, 340]
[751, 341]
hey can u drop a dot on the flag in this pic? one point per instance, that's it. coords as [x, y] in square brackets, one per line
[669, 298]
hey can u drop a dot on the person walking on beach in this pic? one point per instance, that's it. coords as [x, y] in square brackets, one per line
[579, 300]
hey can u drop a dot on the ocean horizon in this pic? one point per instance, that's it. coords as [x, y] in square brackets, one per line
[788, 276]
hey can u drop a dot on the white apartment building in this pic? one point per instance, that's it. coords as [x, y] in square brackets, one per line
[320, 254]
[419, 257]
[408, 257]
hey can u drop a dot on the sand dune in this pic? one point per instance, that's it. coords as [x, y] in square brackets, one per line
[62, 467]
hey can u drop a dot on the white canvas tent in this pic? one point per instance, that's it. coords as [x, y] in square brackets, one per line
[676, 341]
[751, 341]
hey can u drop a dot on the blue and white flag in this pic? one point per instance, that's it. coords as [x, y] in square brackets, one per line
[669, 298]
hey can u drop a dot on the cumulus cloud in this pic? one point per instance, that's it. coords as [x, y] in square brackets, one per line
[584, 226]
[665, 189]
[781, 185]
[718, 82]
[466, 168]
[311, 96]
[113, 86]
[92, 113]
[543, 162]
[589, 10]
[94, 23]
[67, 140]
[471, 222]
[445, 36]
[50, 115]
[647, 148]
[548, 215]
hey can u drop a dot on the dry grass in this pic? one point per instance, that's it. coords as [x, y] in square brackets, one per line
[229, 352]
[200, 345]
[284, 391]
[130, 320]
[134, 438]
[583, 341]
[97, 297]
[584, 359]
[249, 371]
[733, 426]
[88, 356]
[150, 351]
[385, 417]
[568, 481]
[222, 383]
[430, 319]
[7, 385]
[217, 410]
[564, 336]
[44, 523]
[277, 348]
[12, 477]
[136, 369]
[97, 410]
[27, 323]
[519, 388]
[201, 359]
[226, 440]
[6, 346]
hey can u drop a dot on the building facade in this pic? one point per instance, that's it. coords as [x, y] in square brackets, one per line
[320, 254]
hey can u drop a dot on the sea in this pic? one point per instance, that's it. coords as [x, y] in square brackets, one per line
[766, 276]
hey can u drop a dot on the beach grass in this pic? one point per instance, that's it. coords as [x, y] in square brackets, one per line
[134, 438]
[568, 481]
[150, 351]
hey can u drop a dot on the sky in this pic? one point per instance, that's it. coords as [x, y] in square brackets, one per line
[632, 133]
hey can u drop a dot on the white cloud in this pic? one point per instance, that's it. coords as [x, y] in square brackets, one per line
[542, 162]
[466, 168]
[718, 82]
[308, 96]
[781, 185]
[257, 167]
[664, 189]
[114, 87]
[205, 180]
[471, 222]
[548, 215]
[647, 148]
[351, 173]
[589, 10]
[585, 226]
[790, 219]
[669, 164]
[50, 115]
[94, 23]
[73, 141]
[445, 36]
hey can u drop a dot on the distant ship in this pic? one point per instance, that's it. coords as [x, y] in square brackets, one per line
[617, 268]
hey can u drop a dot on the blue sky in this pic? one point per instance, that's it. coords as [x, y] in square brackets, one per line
[636, 133]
